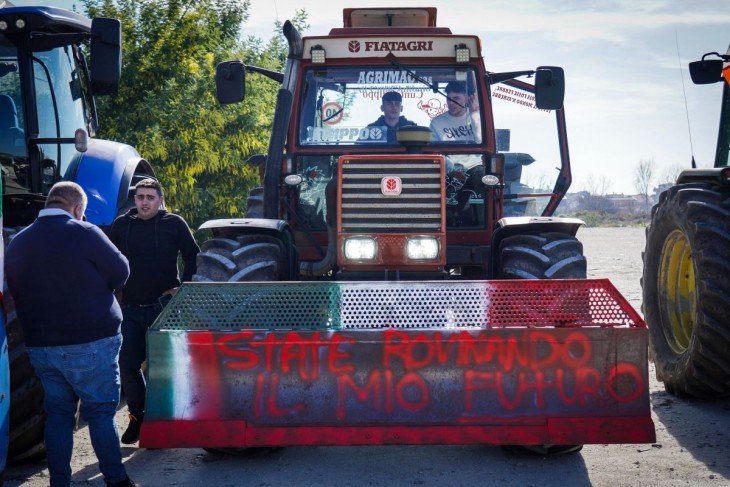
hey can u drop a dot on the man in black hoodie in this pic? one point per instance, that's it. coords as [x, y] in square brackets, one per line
[391, 119]
[151, 238]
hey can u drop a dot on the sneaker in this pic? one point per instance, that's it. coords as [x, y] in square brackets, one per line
[127, 482]
[132, 434]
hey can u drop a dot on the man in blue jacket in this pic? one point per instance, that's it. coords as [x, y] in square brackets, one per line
[151, 238]
[62, 273]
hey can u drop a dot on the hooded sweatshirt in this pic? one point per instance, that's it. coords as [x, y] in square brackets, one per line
[152, 248]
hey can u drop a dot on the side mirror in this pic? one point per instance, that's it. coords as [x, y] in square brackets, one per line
[106, 55]
[230, 82]
[549, 87]
[706, 72]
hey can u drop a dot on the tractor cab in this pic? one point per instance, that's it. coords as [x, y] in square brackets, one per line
[359, 91]
[47, 111]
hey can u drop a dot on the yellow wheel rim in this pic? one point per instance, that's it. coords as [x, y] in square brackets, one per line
[677, 291]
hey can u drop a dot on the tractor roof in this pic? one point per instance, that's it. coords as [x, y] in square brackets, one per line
[46, 19]
[406, 21]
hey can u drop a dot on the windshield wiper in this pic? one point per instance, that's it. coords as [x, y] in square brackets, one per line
[394, 62]
[433, 86]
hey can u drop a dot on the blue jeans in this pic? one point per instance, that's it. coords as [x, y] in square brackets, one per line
[88, 372]
[134, 351]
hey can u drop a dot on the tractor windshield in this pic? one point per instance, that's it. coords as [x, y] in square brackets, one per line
[347, 108]
[61, 103]
[53, 106]
[365, 106]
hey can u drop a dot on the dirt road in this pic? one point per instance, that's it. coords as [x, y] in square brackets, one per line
[692, 448]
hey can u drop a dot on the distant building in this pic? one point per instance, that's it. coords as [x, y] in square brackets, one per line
[626, 204]
[617, 204]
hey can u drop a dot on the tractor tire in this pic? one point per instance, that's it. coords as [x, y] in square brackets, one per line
[27, 416]
[686, 290]
[245, 258]
[542, 256]
[255, 203]
[242, 259]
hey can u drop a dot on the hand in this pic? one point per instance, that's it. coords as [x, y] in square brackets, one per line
[171, 292]
[472, 103]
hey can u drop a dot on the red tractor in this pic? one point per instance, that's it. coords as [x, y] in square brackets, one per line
[399, 283]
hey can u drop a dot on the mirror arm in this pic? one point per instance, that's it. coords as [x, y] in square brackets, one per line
[274, 75]
[495, 78]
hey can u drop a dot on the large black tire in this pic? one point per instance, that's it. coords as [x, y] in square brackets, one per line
[542, 256]
[242, 259]
[686, 290]
[27, 416]
[245, 258]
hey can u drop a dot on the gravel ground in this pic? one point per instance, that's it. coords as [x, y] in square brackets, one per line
[691, 448]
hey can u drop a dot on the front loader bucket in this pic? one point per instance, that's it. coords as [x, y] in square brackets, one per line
[458, 362]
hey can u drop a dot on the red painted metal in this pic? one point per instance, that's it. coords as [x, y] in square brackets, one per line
[561, 303]
[525, 431]
[554, 362]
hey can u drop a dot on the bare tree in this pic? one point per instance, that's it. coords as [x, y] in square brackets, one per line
[597, 186]
[596, 199]
[538, 182]
[643, 178]
[671, 173]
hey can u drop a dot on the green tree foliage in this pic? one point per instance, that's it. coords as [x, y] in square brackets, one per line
[166, 106]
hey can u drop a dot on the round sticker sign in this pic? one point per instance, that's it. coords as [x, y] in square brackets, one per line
[331, 113]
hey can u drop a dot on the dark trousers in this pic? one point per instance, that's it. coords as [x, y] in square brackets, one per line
[137, 319]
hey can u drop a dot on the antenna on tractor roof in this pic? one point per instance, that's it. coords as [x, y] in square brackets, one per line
[686, 107]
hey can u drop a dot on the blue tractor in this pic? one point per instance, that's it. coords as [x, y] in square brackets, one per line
[4, 368]
[47, 125]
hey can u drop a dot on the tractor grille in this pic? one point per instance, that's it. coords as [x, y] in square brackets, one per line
[365, 209]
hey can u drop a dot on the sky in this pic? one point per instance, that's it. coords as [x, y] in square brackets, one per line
[629, 96]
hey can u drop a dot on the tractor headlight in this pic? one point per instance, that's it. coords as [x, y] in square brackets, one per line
[360, 248]
[423, 248]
